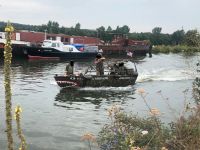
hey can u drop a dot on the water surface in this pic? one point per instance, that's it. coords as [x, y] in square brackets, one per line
[55, 119]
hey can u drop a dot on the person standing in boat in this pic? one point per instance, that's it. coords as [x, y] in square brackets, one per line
[99, 64]
[69, 70]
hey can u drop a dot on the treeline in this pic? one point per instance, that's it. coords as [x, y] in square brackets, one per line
[156, 37]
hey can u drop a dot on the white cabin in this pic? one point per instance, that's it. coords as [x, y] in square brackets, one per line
[59, 46]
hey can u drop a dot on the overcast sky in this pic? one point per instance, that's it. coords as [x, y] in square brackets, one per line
[139, 15]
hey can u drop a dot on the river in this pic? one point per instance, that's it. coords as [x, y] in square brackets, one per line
[55, 119]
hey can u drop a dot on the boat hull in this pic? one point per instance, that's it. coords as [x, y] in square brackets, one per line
[50, 53]
[96, 81]
[119, 50]
[18, 51]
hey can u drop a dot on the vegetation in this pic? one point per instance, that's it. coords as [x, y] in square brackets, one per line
[175, 49]
[8, 95]
[190, 38]
[131, 132]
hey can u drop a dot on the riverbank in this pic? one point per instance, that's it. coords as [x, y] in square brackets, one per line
[175, 49]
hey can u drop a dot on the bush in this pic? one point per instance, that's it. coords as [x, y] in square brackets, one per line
[130, 132]
[175, 49]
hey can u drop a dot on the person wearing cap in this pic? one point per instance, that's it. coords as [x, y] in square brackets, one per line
[69, 70]
[99, 64]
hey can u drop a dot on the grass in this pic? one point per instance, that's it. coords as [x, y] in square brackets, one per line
[175, 49]
[131, 132]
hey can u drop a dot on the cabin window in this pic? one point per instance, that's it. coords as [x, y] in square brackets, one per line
[66, 40]
[58, 45]
[53, 44]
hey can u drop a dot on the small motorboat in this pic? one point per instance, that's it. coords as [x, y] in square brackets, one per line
[51, 49]
[113, 78]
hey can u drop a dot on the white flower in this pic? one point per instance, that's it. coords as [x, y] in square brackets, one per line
[144, 132]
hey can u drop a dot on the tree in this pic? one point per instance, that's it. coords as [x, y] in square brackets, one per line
[109, 29]
[78, 26]
[178, 37]
[123, 30]
[156, 30]
[101, 31]
[53, 27]
[192, 38]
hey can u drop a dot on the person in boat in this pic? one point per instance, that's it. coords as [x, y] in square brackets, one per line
[122, 69]
[114, 69]
[99, 64]
[69, 70]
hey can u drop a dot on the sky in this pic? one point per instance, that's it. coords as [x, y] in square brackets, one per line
[139, 15]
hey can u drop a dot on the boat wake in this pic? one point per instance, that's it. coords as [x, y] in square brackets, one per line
[114, 89]
[166, 75]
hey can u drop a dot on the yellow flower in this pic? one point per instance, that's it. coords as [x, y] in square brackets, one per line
[11, 29]
[141, 91]
[88, 137]
[154, 111]
[7, 29]
[18, 109]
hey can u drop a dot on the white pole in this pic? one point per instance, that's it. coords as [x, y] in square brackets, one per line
[45, 34]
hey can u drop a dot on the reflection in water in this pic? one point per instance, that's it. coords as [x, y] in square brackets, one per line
[93, 95]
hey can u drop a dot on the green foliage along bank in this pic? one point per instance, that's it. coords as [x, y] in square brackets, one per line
[156, 37]
[175, 49]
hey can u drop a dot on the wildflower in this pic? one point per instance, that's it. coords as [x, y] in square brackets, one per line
[164, 148]
[154, 111]
[7, 29]
[135, 148]
[113, 110]
[110, 111]
[132, 141]
[18, 109]
[141, 91]
[88, 137]
[144, 132]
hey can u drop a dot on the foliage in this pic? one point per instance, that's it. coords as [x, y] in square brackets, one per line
[8, 94]
[156, 30]
[192, 38]
[156, 37]
[7, 83]
[130, 131]
[18, 111]
[196, 86]
[178, 37]
[175, 49]
[186, 131]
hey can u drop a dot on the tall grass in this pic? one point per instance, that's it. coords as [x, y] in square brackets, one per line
[131, 132]
[175, 49]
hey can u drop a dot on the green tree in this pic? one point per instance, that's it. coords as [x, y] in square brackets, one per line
[109, 29]
[192, 38]
[156, 30]
[53, 27]
[123, 30]
[101, 32]
[178, 37]
[78, 26]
